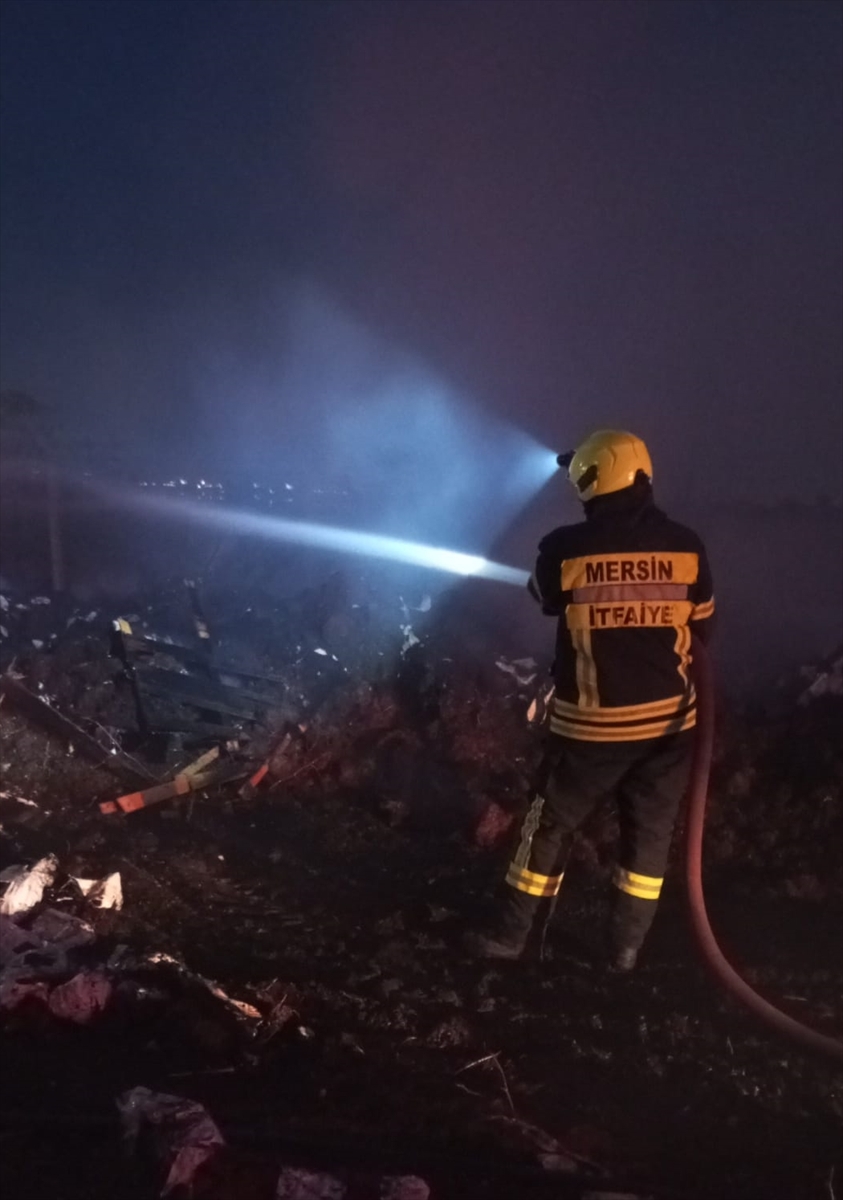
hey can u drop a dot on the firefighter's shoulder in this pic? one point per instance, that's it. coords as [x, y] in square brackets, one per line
[681, 537]
[565, 540]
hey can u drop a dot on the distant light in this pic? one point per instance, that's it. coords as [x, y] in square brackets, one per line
[183, 482]
[288, 486]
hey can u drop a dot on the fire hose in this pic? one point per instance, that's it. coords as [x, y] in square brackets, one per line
[725, 974]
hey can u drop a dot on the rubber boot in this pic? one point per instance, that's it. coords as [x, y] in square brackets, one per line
[508, 934]
[630, 922]
[624, 959]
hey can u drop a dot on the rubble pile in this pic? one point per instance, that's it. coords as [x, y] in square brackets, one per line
[241, 838]
[776, 804]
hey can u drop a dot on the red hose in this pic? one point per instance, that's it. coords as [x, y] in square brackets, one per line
[725, 974]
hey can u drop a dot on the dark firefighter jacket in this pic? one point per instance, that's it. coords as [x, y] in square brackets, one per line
[629, 586]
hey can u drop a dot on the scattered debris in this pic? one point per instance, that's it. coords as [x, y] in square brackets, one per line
[295, 1183]
[184, 1137]
[82, 999]
[13, 939]
[540, 706]
[828, 679]
[27, 885]
[410, 639]
[522, 670]
[494, 825]
[240, 1007]
[404, 1187]
[17, 993]
[104, 893]
[181, 785]
[320, 867]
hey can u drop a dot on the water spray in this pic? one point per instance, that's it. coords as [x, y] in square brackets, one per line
[330, 537]
[533, 468]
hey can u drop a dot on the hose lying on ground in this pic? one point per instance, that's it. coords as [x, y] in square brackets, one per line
[714, 960]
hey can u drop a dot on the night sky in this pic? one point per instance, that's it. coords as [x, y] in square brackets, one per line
[218, 218]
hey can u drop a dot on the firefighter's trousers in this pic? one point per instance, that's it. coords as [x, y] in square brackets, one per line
[647, 781]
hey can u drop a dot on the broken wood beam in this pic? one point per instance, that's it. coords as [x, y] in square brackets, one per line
[52, 722]
[181, 785]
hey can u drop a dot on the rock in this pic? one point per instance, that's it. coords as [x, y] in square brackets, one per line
[295, 1183]
[404, 1187]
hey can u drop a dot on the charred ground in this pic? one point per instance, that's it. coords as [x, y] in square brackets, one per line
[333, 900]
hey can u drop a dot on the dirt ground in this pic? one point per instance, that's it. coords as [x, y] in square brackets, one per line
[335, 898]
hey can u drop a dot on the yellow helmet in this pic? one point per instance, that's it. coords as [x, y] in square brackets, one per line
[607, 461]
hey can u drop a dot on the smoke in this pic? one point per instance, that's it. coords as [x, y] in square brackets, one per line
[339, 411]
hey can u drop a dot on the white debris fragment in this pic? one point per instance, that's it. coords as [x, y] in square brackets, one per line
[422, 607]
[410, 638]
[319, 650]
[26, 885]
[3, 631]
[23, 800]
[523, 670]
[40, 600]
[38, 644]
[828, 682]
[4, 603]
[105, 893]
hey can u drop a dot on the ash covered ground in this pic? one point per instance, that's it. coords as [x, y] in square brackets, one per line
[331, 901]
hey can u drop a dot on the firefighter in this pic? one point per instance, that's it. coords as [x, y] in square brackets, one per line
[629, 587]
